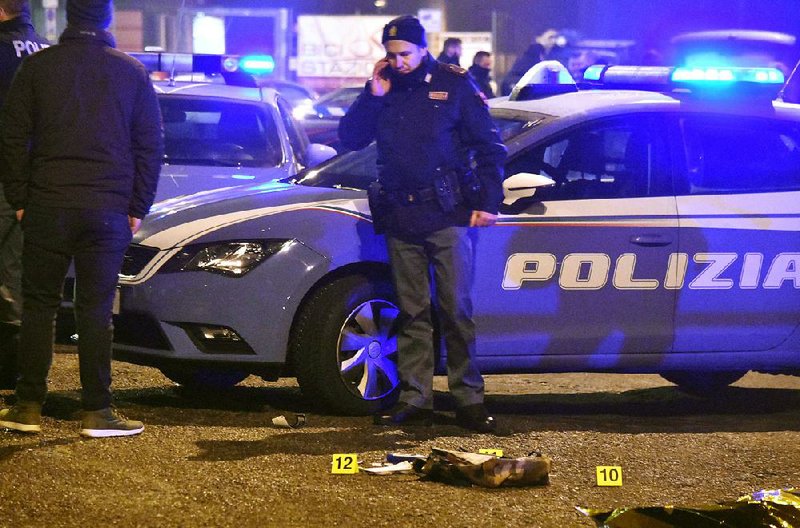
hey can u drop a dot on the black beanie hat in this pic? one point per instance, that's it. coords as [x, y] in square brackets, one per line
[89, 13]
[406, 28]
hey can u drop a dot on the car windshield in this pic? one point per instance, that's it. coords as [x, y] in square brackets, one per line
[356, 170]
[223, 133]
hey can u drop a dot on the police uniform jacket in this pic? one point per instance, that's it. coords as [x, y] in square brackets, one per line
[81, 128]
[433, 118]
[18, 39]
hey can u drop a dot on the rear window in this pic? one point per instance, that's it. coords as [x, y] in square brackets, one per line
[735, 155]
[208, 132]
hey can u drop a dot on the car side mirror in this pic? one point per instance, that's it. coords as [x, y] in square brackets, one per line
[523, 185]
[317, 153]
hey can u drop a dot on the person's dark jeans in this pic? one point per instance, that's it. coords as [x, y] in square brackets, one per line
[97, 241]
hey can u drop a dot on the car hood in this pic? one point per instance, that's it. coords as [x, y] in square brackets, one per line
[177, 181]
[177, 221]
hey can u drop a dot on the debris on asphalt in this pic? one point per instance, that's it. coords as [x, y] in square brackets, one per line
[395, 458]
[299, 420]
[464, 469]
[390, 469]
[765, 509]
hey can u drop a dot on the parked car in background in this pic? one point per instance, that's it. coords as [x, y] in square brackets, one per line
[222, 128]
[320, 119]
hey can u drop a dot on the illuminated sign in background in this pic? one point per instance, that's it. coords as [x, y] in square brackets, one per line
[339, 46]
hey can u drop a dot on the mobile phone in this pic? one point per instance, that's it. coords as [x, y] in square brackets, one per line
[384, 73]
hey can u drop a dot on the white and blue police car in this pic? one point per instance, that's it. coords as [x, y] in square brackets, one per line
[666, 240]
[223, 134]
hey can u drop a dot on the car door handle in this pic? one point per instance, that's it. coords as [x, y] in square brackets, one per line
[651, 240]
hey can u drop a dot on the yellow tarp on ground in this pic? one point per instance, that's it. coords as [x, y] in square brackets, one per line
[768, 509]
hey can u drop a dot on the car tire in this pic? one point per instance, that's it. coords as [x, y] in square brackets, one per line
[702, 383]
[201, 378]
[344, 346]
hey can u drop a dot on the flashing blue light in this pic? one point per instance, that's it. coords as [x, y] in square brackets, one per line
[593, 73]
[726, 76]
[257, 64]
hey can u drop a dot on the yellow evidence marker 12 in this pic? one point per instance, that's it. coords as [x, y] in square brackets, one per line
[344, 464]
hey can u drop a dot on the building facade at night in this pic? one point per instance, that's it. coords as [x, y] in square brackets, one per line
[271, 24]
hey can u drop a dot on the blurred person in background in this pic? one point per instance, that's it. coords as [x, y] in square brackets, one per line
[451, 51]
[538, 51]
[481, 71]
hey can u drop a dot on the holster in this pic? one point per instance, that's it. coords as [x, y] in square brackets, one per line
[446, 187]
[379, 204]
[471, 190]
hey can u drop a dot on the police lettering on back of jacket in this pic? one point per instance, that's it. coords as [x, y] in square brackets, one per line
[18, 39]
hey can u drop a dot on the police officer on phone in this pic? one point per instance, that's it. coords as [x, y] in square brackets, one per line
[18, 39]
[440, 164]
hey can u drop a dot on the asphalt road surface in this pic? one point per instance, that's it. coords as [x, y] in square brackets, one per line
[216, 459]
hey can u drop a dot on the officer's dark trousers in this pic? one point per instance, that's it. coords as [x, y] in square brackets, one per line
[449, 253]
[96, 240]
[10, 296]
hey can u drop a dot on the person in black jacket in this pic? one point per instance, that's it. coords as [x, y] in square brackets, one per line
[17, 40]
[451, 51]
[481, 71]
[440, 164]
[81, 142]
[539, 50]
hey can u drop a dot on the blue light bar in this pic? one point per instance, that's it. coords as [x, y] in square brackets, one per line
[727, 76]
[257, 64]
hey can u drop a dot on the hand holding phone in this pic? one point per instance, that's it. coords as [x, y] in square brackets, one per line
[380, 82]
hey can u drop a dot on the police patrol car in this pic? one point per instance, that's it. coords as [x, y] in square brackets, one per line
[220, 134]
[663, 237]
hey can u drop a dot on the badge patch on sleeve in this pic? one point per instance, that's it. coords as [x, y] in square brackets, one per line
[438, 96]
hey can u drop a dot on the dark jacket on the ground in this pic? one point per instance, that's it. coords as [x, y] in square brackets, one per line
[432, 118]
[483, 78]
[81, 128]
[18, 39]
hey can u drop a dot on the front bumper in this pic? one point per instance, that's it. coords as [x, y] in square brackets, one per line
[206, 318]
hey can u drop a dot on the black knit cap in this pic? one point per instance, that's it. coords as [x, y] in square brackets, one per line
[89, 13]
[406, 28]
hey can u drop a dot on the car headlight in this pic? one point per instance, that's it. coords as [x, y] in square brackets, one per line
[232, 259]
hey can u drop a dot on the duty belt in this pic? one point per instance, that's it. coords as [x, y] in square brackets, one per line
[426, 194]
